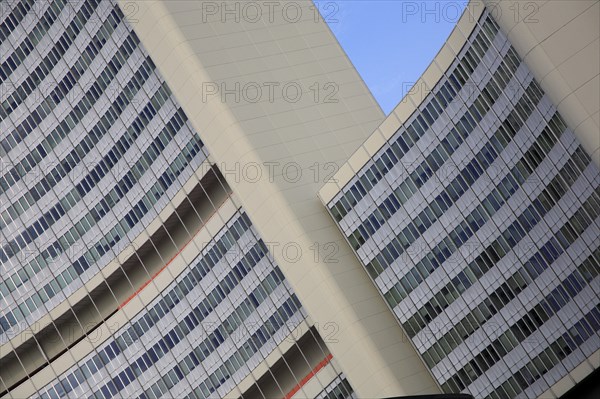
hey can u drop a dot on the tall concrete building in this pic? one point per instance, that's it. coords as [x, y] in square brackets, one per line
[194, 204]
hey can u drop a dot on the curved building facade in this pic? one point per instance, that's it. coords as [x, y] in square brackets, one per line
[475, 211]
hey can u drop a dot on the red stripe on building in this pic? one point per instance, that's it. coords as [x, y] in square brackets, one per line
[170, 260]
[310, 375]
[154, 275]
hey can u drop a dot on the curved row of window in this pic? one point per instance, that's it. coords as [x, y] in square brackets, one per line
[70, 79]
[43, 24]
[75, 116]
[423, 119]
[101, 170]
[21, 204]
[108, 241]
[156, 352]
[447, 198]
[549, 306]
[26, 272]
[506, 240]
[502, 246]
[192, 321]
[13, 19]
[74, 158]
[585, 330]
[118, 192]
[517, 282]
[441, 153]
[197, 271]
[276, 328]
[90, 98]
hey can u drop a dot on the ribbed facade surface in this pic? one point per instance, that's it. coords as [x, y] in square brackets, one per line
[479, 223]
[93, 148]
[95, 152]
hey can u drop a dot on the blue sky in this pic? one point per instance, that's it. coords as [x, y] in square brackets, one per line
[391, 42]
